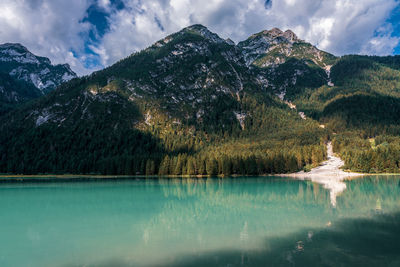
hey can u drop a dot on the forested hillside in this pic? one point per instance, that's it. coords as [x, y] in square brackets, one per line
[196, 104]
[361, 110]
[186, 105]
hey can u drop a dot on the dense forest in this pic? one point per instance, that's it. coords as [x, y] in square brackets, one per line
[275, 140]
[191, 105]
[361, 112]
[22, 91]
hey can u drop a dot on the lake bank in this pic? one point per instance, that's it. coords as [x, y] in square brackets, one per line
[328, 169]
[328, 174]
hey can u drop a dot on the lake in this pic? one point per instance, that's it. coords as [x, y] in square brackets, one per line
[258, 221]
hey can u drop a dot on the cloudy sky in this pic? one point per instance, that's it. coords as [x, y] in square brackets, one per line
[92, 34]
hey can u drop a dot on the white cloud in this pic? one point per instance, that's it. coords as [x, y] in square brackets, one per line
[380, 45]
[340, 27]
[53, 27]
[50, 28]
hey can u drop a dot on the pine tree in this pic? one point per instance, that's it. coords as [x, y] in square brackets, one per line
[190, 166]
[226, 166]
[201, 163]
[178, 166]
[150, 167]
[164, 166]
[211, 167]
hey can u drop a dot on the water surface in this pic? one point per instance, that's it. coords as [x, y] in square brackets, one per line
[199, 222]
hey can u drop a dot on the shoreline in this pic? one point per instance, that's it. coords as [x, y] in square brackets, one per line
[328, 169]
[5, 177]
[328, 174]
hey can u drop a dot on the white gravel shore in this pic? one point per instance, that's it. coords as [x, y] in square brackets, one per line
[328, 174]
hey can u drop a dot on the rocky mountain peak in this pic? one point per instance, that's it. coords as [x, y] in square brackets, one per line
[16, 52]
[230, 41]
[273, 47]
[205, 32]
[276, 33]
[15, 46]
[18, 62]
[197, 27]
[263, 41]
[291, 36]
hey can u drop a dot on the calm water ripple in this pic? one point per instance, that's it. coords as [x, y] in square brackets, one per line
[200, 222]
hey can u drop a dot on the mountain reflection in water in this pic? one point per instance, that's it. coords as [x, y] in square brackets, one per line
[199, 222]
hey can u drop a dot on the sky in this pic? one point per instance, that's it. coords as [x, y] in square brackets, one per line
[92, 34]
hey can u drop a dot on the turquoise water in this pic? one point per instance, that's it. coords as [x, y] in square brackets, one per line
[199, 222]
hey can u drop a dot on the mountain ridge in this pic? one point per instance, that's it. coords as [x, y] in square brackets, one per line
[25, 76]
[14, 55]
[191, 104]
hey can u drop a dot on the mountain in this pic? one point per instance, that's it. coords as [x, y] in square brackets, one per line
[274, 47]
[186, 74]
[356, 79]
[186, 105]
[362, 110]
[355, 97]
[285, 63]
[25, 76]
[13, 92]
[194, 103]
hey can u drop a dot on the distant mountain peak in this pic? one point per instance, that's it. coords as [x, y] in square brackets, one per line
[288, 34]
[205, 32]
[273, 47]
[17, 52]
[274, 33]
[18, 62]
[197, 27]
[14, 45]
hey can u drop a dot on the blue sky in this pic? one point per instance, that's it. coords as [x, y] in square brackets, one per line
[98, 17]
[92, 34]
[394, 19]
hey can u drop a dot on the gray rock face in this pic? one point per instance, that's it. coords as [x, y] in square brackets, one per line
[291, 36]
[22, 65]
[284, 61]
[185, 74]
[264, 42]
[274, 47]
[191, 76]
[25, 76]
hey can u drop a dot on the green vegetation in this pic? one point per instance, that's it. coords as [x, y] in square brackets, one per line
[363, 105]
[274, 140]
[144, 115]
[21, 92]
[189, 105]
